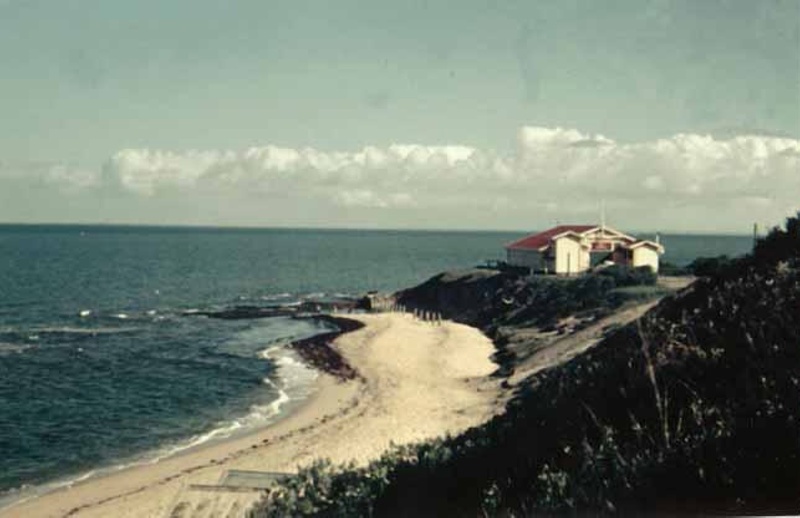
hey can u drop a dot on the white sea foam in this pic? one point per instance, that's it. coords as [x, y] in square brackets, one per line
[10, 348]
[259, 416]
[271, 352]
[276, 296]
[294, 375]
[293, 383]
[81, 478]
[19, 495]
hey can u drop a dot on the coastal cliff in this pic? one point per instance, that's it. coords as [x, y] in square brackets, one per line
[470, 296]
[526, 315]
[490, 298]
[690, 408]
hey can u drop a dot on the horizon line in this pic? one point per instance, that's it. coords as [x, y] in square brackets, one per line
[198, 226]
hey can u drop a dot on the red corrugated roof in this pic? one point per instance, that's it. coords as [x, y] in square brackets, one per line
[537, 241]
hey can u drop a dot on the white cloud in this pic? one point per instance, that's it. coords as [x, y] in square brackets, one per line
[684, 182]
[369, 199]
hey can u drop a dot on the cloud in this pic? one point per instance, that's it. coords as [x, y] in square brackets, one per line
[369, 199]
[736, 131]
[687, 182]
[592, 143]
[278, 169]
[65, 178]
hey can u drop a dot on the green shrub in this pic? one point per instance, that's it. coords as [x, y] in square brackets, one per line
[628, 276]
[670, 269]
[710, 266]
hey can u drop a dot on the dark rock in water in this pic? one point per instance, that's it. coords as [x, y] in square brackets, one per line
[318, 350]
[243, 312]
[305, 308]
[345, 325]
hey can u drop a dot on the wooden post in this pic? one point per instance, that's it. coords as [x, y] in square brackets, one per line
[755, 235]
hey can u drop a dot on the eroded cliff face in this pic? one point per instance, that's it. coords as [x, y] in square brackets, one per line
[524, 315]
[488, 299]
[472, 297]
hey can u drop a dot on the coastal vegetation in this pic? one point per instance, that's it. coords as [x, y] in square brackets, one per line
[490, 299]
[692, 408]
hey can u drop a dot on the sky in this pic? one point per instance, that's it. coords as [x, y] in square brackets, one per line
[677, 115]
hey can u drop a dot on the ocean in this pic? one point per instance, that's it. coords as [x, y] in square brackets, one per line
[104, 363]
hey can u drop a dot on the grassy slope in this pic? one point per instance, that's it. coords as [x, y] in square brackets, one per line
[694, 407]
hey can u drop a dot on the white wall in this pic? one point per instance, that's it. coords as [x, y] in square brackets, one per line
[645, 256]
[570, 257]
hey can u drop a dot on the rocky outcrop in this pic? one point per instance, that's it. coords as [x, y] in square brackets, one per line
[318, 350]
[302, 310]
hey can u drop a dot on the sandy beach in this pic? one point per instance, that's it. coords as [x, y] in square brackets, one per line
[416, 381]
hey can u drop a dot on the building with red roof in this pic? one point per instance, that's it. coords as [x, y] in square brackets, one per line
[573, 249]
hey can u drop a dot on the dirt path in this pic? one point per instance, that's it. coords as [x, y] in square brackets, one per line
[564, 349]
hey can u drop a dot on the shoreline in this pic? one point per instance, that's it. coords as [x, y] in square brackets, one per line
[316, 352]
[350, 416]
[72, 498]
[201, 440]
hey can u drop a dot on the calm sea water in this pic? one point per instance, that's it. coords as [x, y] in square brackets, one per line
[99, 365]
